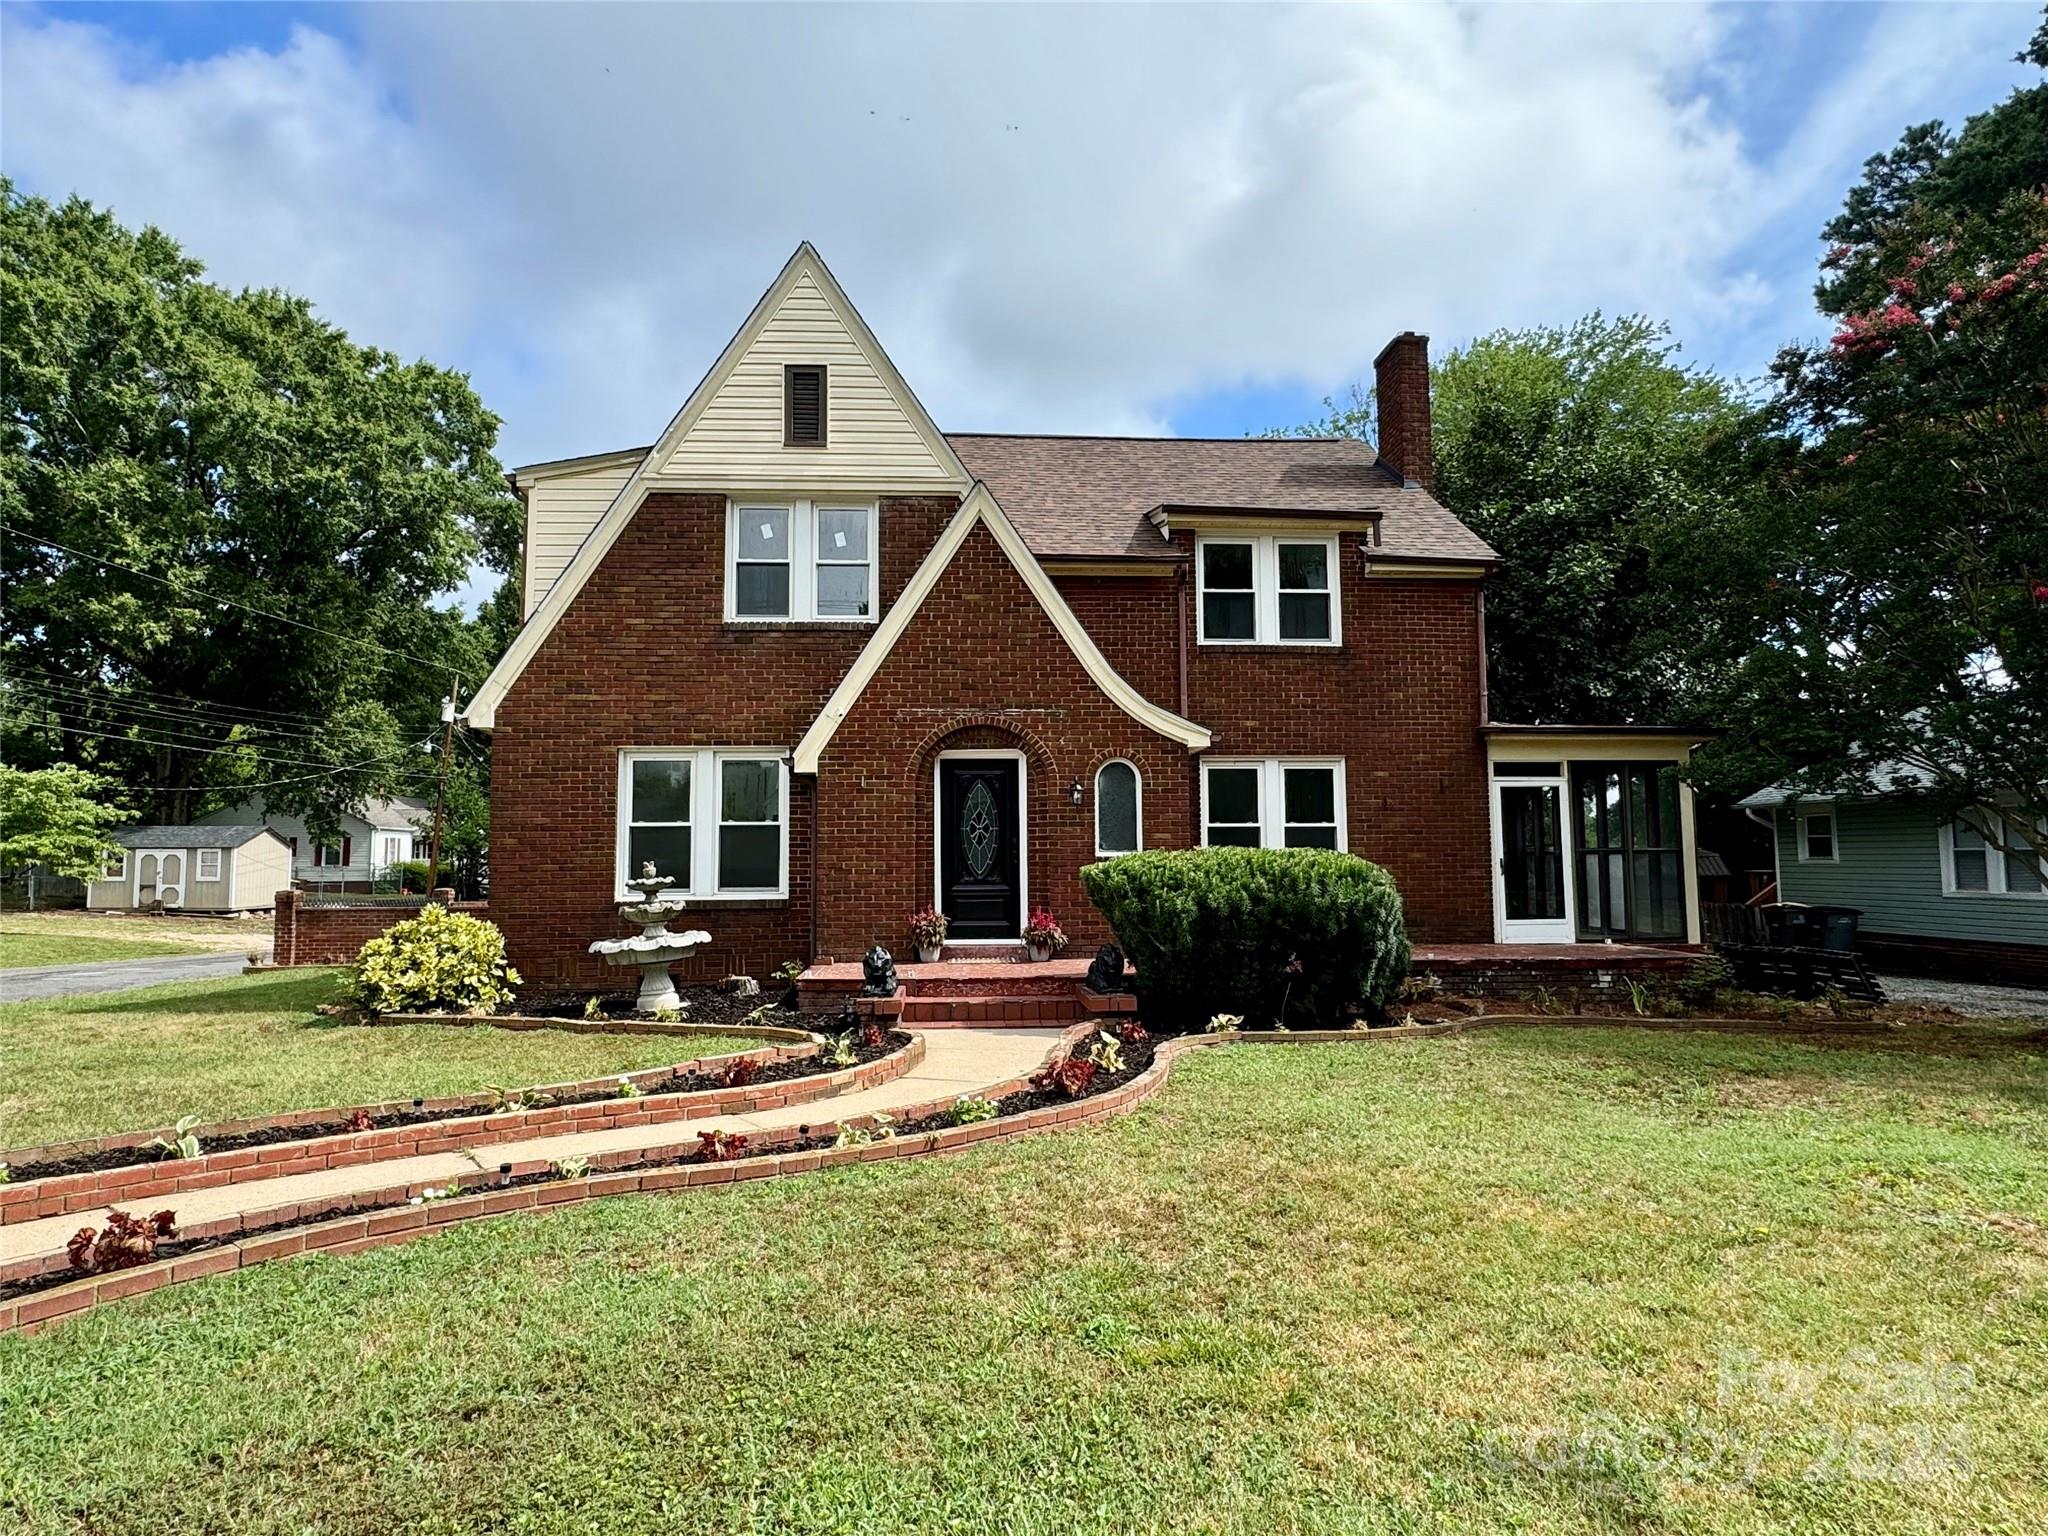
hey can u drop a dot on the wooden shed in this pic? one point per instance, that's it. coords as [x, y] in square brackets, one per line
[193, 869]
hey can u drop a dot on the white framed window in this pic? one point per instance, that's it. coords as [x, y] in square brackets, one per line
[332, 855]
[1273, 802]
[715, 820]
[1973, 864]
[116, 867]
[1817, 837]
[1119, 809]
[1267, 589]
[801, 561]
[209, 865]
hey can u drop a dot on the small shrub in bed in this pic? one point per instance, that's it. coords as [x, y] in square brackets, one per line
[439, 961]
[1284, 936]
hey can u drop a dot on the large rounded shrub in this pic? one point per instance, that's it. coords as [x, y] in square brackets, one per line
[1300, 936]
[438, 962]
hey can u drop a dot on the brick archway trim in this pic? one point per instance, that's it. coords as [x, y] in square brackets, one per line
[981, 507]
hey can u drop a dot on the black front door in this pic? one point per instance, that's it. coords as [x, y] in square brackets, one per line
[979, 841]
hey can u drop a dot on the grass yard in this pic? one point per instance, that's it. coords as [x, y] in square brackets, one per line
[247, 1045]
[72, 938]
[1540, 1280]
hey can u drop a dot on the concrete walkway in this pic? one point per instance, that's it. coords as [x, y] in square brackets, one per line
[116, 975]
[956, 1062]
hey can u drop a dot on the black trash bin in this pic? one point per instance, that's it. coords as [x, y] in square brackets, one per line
[1791, 925]
[1835, 927]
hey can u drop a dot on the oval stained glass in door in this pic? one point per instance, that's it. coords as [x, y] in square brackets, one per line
[980, 829]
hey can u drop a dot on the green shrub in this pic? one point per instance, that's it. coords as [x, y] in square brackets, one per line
[411, 876]
[440, 961]
[1289, 936]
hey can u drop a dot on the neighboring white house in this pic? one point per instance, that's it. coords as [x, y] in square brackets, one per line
[208, 868]
[388, 832]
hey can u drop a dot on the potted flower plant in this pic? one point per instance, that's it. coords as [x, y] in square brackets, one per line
[1043, 935]
[927, 933]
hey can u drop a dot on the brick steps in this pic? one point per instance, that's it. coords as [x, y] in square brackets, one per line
[983, 1010]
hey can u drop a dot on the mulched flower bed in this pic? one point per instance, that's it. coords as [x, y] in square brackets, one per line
[703, 1003]
[1137, 1056]
[675, 1082]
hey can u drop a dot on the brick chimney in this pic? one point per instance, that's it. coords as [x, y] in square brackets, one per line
[1401, 383]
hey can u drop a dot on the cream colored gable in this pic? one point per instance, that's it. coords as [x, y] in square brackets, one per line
[872, 436]
[561, 509]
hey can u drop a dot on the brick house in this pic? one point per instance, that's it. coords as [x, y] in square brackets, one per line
[826, 664]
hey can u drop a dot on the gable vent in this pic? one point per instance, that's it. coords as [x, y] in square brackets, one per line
[803, 405]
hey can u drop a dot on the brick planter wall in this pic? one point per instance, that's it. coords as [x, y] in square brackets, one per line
[153, 1182]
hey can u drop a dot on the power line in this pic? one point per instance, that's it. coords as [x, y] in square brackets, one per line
[76, 685]
[147, 789]
[332, 634]
[192, 745]
[151, 716]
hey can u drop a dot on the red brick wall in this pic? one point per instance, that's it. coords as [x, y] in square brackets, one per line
[643, 658]
[981, 665]
[1399, 700]
[1132, 619]
[314, 935]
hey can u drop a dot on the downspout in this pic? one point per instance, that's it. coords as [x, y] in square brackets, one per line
[1484, 704]
[1180, 631]
[817, 830]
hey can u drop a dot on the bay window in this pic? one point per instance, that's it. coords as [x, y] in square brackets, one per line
[714, 820]
[1273, 802]
[804, 561]
[1267, 589]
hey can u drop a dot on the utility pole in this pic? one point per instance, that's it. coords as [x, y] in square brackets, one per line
[441, 784]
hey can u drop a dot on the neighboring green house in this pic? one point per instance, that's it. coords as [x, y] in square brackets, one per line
[1935, 898]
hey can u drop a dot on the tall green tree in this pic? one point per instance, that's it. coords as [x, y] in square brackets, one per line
[1592, 458]
[1904, 643]
[56, 820]
[225, 527]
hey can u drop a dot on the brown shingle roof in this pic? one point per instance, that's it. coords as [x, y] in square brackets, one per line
[1089, 496]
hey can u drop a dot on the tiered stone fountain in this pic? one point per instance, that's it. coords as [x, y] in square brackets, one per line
[654, 949]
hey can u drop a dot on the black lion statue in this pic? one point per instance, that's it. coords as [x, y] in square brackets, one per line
[1106, 975]
[879, 967]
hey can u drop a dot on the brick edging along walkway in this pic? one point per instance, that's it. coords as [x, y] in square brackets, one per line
[37, 1199]
[354, 1233]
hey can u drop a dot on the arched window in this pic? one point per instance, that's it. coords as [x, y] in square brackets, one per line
[1118, 800]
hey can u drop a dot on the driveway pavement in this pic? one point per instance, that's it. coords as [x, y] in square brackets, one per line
[115, 975]
[1972, 997]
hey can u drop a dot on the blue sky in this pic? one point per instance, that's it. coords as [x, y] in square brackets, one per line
[1131, 219]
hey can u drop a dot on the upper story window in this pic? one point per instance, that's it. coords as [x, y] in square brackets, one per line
[801, 560]
[1119, 822]
[1817, 836]
[1975, 865]
[1273, 802]
[713, 819]
[1267, 589]
[803, 405]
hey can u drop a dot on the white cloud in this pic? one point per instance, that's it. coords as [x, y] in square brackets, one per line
[1055, 218]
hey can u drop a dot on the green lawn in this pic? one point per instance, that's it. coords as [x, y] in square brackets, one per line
[1534, 1280]
[246, 1045]
[36, 940]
